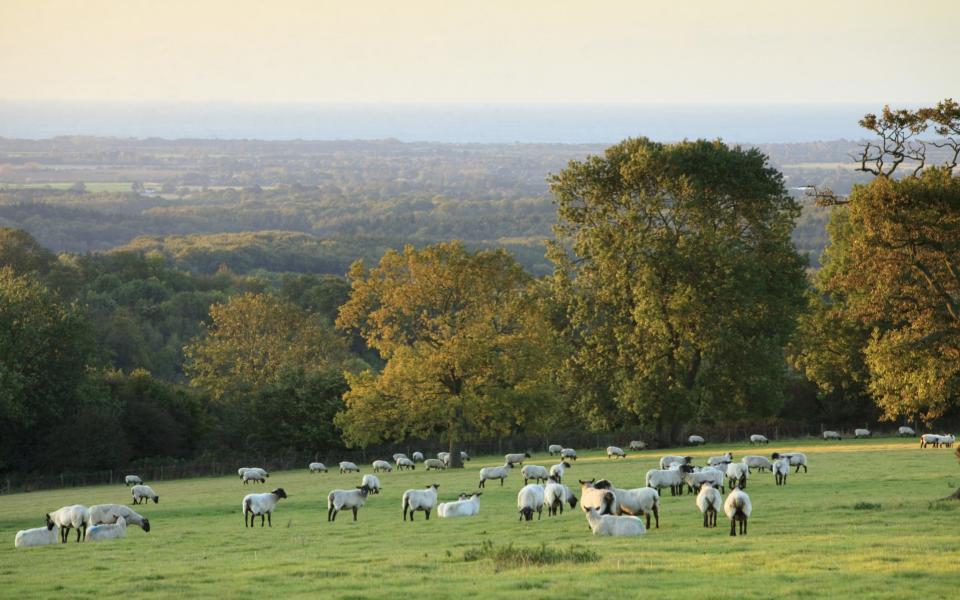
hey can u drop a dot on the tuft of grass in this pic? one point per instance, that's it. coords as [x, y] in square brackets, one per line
[945, 504]
[509, 556]
[866, 506]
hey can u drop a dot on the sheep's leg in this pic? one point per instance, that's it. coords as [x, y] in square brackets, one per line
[428, 513]
[481, 483]
[263, 519]
[355, 513]
[733, 527]
[270, 519]
[706, 519]
[78, 535]
[334, 517]
[501, 481]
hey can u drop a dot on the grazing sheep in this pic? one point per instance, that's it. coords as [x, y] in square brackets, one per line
[557, 470]
[338, 500]
[757, 462]
[104, 531]
[535, 472]
[929, 439]
[554, 449]
[530, 498]
[109, 513]
[38, 536]
[615, 451]
[316, 467]
[861, 433]
[614, 526]
[143, 493]
[348, 467]
[781, 469]
[382, 465]
[568, 453]
[435, 464]
[253, 475]
[738, 509]
[132, 480]
[758, 439]
[494, 473]
[796, 459]
[425, 500]
[671, 478]
[737, 474]
[516, 458]
[638, 445]
[464, 507]
[597, 497]
[418, 457]
[712, 475]
[372, 483]
[241, 470]
[720, 460]
[831, 435]
[68, 517]
[555, 494]
[398, 456]
[464, 456]
[262, 472]
[668, 461]
[261, 504]
[638, 502]
[709, 502]
[696, 440]
[906, 431]
[948, 440]
[405, 463]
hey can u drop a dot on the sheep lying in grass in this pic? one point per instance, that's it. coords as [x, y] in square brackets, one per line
[757, 462]
[781, 468]
[737, 474]
[143, 493]
[670, 478]
[554, 449]
[38, 536]
[615, 451]
[516, 458]
[861, 433]
[638, 502]
[132, 480]
[382, 465]
[696, 440]
[668, 461]
[405, 463]
[530, 498]
[831, 435]
[338, 500]
[535, 472]
[109, 513]
[464, 507]
[436, 464]
[372, 483]
[738, 509]
[758, 439]
[554, 496]
[568, 453]
[906, 431]
[638, 445]
[316, 467]
[113, 531]
[418, 457]
[348, 467]
[69, 517]
[614, 526]
[601, 499]
[796, 459]
[709, 502]
[425, 500]
[261, 504]
[557, 470]
[495, 473]
[723, 459]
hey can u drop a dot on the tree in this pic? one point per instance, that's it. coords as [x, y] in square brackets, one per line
[468, 352]
[22, 253]
[681, 283]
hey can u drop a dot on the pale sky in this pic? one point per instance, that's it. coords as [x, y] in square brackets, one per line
[489, 51]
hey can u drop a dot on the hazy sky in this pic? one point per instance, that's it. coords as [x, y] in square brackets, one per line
[690, 51]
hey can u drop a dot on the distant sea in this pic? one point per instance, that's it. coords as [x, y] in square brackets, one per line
[481, 123]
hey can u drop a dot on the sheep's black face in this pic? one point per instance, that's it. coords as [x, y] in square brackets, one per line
[566, 465]
[280, 493]
[146, 525]
[573, 502]
[527, 454]
[156, 499]
[603, 484]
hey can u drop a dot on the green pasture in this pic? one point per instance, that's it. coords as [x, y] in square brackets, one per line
[864, 523]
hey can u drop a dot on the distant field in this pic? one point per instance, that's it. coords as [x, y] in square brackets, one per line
[92, 186]
[808, 539]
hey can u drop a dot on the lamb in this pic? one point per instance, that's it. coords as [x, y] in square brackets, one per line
[797, 459]
[638, 445]
[615, 451]
[720, 460]
[464, 507]
[530, 498]
[338, 500]
[781, 469]
[599, 498]
[535, 472]
[906, 431]
[405, 463]
[253, 475]
[568, 453]
[109, 513]
[132, 480]
[667, 461]
[68, 517]
[418, 457]
[143, 493]
[554, 449]
[861, 433]
[638, 502]
[434, 463]
[115, 531]
[382, 465]
[737, 474]
[555, 494]
[831, 435]
[614, 526]
[557, 470]
[261, 504]
[758, 439]
[696, 440]
[709, 502]
[425, 500]
[738, 510]
[711, 475]
[671, 478]
[757, 462]
[316, 467]
[494, 473]
[347, 467]
[38, 536]
[372, 483]
[516, 458]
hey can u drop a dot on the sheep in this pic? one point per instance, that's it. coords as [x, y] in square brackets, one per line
[494, 473]
[444, 457]
[132, 480]
[720, 460]
[535, 472]
[557, 470]
[398, 456]
[781, 469]
[261, 504]
[831, 435]
[68, 517]
[115, 531]
[614, 526]
[757, 462]
[143, 493]
[737, 474]
[667, 461]
[709, 502]
[372, 483]
[568, 453]
[109, 513]
[638, 445]
[758, 439]
[615, 451]
[530, 498]
[711, 475]
[797, 459]
[418, 457]
[425, 500]
[696, 440]
[464, 456]
[929, 439]
[738, 509]
[555, 494]
[671, 478]
[948, 440]
[382, 465]
[554, 449]
[241, 470]
[405, 463]
[262, 472]
[516, 458]
[906, 432]
[434, 463]
[316, 467]
[347, 467]
[253, 475]
[861, 433]
[464, 507]
[638, 502]
[338, 500]
[38, 536]
[597, 498]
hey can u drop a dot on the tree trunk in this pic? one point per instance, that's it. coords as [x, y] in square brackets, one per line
[456, 461]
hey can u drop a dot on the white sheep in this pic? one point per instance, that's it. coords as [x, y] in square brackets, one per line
[638, 445]
[348, 467]
[444, 457]
[861, 433]
[554, 449]
[696, 440]
[434, 463]
[132, 480]
[614, 526]
[109, 513]
[600, 498]
[241, 470]
[796, 459]
[638, 502]
[737, 474]
[425, 500]
[397, 456]
[262, 472]
[38, 536]
[948, 440]
[568, 453]
[405, 463]
[464, 456]
[781, 468]
[615, 451]
[668, 461]
[723, 459]
[104, 531]
[372, 483]
[906, 431]
[758, 439]
[418, 457]
[68, 517]
[535, 472]
[495, 473]
[671, 478]
[555, 494]
[757, 462]
[557, 470]
[317, 467]
[708, 475]
[709, 502]
[738, 509]
[338, 500]
[261, 504]
[516, 458]
[382, 465]
[464, 507]
[929, 439]
[253, 475]
[831, 435]
[530, 498]
[143, 493]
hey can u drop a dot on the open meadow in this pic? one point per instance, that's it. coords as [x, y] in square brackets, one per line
[862, 522]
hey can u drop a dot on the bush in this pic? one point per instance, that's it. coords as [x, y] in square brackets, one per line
[506, 557]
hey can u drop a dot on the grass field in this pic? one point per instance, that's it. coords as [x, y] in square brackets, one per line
[811, 538]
